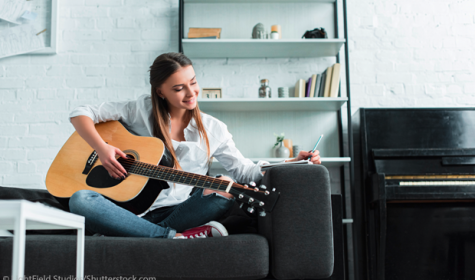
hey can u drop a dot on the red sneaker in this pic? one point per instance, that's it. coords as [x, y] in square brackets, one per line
[211, 229]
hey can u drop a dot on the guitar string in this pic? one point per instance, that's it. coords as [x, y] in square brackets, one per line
[133, 169]
[129, 163]
[162, 170]
[158, 172]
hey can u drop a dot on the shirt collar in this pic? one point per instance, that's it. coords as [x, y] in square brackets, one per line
[188, 129]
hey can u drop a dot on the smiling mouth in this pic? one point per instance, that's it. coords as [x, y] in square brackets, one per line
[189, 101]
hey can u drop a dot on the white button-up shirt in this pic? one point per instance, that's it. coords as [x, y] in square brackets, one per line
[137, 118]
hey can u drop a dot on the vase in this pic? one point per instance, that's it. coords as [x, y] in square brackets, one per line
[281, 151]
[295, 150]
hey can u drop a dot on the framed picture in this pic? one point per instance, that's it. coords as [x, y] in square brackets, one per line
[29, 27]
[211, 93]
[47, 11]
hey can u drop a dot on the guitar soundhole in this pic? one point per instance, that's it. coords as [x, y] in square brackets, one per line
[132, 154]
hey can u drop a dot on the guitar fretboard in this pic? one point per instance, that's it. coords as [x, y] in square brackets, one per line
[172, 175]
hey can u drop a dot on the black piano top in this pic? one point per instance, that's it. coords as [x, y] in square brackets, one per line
[418, 140]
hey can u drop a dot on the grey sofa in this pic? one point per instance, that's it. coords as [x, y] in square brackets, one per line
[295, 241]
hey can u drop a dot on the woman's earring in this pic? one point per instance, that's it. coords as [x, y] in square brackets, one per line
[163, 98]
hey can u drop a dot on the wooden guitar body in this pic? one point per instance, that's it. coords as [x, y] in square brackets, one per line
[136, 193]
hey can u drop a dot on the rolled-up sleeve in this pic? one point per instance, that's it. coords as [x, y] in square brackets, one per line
[242, 169]
[124, 111]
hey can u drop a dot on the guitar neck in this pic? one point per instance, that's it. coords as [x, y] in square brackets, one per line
[173, 175]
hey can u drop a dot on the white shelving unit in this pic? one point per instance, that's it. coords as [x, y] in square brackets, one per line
[258, 1]
[326, 161]
[252, 48]
[264, 104]
[304, 119]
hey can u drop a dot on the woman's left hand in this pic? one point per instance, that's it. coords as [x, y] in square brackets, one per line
[315, 156]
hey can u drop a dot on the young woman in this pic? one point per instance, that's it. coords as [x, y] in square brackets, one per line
[170, 113]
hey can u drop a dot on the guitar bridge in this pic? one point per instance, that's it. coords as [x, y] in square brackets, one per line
[90, 163]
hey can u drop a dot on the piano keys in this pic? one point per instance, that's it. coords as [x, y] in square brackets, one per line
[431, 183]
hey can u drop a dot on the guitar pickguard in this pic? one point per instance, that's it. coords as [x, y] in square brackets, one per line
[99, 178]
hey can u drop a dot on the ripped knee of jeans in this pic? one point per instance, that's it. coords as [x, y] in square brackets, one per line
[217, 194]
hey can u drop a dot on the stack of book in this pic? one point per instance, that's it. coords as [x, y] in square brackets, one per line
[204, 33]
[326, 84]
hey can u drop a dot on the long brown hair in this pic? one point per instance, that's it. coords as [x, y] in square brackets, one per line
[163, 67]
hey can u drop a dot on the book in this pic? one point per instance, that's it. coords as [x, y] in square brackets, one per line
[308, 87]
[335, 83]
[312, 87]
[209, 37]
[322, 84]
[197, 30]
[194, 32]
[300, 88]
[328, 78]
[204, 35]
[297, 89]
[317, 85]
[269, 166]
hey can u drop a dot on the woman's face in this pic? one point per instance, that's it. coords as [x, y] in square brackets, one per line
[181, 89]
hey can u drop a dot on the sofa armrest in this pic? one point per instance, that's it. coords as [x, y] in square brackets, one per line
[299, 229]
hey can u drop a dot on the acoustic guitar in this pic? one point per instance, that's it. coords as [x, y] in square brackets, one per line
[148, 165]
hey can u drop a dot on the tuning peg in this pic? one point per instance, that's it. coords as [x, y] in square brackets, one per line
[263, 187]
[241, 205]
[256, 189]
[250, 209]
[273, 189]
[251, 200]
[266, 192]
[252, 184]
[262, 213]
[261, 203]
[241, 196]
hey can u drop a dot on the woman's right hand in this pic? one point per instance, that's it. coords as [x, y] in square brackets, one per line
[107, 155]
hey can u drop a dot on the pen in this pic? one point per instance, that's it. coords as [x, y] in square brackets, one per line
[315, 148]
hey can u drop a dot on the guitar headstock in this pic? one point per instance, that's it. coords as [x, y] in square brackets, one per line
[258, 199]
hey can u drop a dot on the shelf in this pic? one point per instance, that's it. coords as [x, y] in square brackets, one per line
[326, 161]
[258, 1]
[272, 104]
[258, 48]
[335, 161]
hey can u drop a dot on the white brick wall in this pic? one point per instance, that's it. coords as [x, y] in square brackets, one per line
[402, 53]
[412, 53]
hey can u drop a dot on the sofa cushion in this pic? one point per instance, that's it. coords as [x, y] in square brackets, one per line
[35, 195]
[235, 220]
[242, 256]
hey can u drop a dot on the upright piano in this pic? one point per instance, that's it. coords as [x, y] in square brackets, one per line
[414, 193]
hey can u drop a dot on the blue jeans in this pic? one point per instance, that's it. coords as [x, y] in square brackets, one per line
[105, 217]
